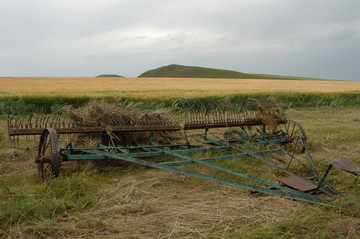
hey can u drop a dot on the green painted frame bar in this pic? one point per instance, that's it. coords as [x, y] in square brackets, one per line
[232, 156]
[323, 187]
[81, 157]
[251, 153]
[242, 175]
[74, 154]
[128, 158]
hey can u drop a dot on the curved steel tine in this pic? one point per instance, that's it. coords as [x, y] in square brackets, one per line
[38, 121]
[41, 119]
[55, 121]
[58, 122]
[50, 122]
[63, 123]
[31, 119]
[47, 120]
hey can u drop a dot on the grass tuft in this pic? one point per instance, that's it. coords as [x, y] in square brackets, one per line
[43, 202]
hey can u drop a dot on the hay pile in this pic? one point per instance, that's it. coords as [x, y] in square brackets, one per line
[266, 119]
[102, 113]
[269, 111]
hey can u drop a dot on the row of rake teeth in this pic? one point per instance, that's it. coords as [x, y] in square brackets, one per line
[39, 121]
[226, 110]
[196, 111]
[217, 111]
[50, 121]
[217, 117]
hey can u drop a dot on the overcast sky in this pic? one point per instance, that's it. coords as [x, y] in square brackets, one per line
[314, 38]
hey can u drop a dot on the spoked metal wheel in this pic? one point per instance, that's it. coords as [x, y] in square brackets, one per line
[49, 158]
[295, 136]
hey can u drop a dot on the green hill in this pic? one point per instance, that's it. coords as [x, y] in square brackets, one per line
[109, 75]
[203, 72]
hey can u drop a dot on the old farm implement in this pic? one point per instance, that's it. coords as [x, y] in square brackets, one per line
[236, 133]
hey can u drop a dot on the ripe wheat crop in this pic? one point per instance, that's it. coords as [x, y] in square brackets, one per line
[162, 87]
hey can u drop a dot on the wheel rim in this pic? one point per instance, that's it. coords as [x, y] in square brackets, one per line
[48, 159]
[295, 136]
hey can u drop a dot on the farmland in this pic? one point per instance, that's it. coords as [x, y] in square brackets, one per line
[162, 88]
[132, 202]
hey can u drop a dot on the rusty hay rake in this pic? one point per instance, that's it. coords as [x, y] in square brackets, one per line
[241, 131]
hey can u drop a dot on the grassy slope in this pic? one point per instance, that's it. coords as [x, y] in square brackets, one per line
[203, 72]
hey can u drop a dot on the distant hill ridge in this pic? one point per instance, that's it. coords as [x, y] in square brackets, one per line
[204, 72]
[109, 75]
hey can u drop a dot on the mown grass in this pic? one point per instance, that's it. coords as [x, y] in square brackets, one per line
[309, 222]
[77, 198]
[23, 202]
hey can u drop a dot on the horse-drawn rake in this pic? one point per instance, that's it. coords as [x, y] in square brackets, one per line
[241, 131]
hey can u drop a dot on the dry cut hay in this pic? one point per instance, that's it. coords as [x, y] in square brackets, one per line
[269, 111]
[147, 208]
[266, 118]
[102, 113]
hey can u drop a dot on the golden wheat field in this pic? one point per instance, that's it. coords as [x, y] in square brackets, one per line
[161, 87]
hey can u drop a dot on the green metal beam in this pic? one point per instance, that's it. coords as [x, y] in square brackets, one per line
[272, 163]
[74, 154]
[128, 158]
[179, 163]
[242, 175]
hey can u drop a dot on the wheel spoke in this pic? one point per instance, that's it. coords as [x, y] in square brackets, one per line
[295, 132]
[293, 128]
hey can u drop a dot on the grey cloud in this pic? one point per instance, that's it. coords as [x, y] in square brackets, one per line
[84, 38]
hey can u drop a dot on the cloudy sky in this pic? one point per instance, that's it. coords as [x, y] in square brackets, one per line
[314, 38]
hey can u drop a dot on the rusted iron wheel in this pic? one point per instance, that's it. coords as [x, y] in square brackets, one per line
[295, 136]
[49, 158]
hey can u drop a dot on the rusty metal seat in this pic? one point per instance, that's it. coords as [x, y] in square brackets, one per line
[298, 183]
[304, 185]
[346, 165]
